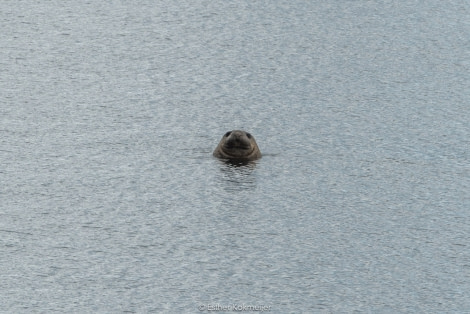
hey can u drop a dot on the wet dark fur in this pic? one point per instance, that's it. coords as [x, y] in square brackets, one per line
[239, 145]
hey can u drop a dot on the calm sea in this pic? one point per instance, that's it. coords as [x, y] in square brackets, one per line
[111, 201]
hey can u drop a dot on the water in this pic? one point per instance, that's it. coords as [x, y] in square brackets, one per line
[112, 202]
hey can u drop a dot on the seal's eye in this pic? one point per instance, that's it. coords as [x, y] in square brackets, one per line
[228, 133]
[248, 135]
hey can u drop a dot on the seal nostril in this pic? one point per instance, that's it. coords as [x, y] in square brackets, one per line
[228, 133]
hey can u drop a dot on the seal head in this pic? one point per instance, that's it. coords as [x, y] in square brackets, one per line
[238, 145]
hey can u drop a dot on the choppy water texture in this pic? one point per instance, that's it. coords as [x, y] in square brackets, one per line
[112, 202]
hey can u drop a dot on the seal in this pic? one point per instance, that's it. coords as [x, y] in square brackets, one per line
[237, 145]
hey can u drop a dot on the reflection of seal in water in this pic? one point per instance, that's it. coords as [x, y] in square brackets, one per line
[238, 145]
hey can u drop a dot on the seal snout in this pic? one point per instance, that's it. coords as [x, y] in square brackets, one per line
[237, 139]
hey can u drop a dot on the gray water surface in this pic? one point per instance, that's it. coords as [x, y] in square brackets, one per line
[111, 201]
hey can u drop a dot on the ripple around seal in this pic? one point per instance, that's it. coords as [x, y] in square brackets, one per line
[111, 200]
